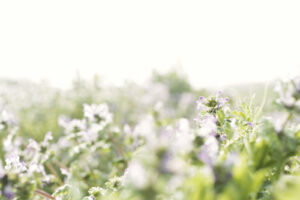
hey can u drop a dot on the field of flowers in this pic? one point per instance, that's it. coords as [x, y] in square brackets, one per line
[163, 140]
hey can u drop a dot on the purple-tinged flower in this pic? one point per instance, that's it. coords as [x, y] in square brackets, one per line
[223, 137]
[13, 163]
[33, 146]
[209, 151]
[250, 124]
[165, 162]
[222, 102]
[201, 104]
[8, 192]
[32, 149]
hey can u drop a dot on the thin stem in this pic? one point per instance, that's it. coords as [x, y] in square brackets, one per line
[284, 124]
[120, 151]
[53, 171]
[44, 194]
[59, 164]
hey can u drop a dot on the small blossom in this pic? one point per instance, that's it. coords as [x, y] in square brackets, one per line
[250, 124]
[136, 175]
[76, 126]
[8, 192]
[223, 137]
[97, 191]
[33, 146]
[209, 151]
[13, 164]
[183, 138]
[201, 104]
[65, 172]
[6, 119]
[286, 93]
[208, 126]
[98, 114]
[48, 137]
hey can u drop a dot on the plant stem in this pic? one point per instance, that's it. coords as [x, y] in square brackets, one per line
[59, 164]
[44, 194]
[53, 171]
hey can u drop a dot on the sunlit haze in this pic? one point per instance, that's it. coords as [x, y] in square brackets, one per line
[214, 43]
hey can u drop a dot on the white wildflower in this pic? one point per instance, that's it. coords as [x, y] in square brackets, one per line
[6, 119]
[136, 175]
[13, 164]
[98, 114]
[208, 126]
[48, 137]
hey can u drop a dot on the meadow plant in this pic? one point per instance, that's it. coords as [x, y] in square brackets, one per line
[226, 153]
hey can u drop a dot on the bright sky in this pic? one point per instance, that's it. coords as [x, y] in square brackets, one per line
[216, 42]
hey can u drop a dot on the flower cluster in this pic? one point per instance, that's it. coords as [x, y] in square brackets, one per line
[227, 152]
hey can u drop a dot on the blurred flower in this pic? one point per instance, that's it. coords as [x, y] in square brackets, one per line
[223, 137]
[183, 141]
[208, 126]
[6, 119]
[136, 175]
[250, 124]
[231, 159]
[296, 81]
[13, 164]
[48, 137]
[65, 172]
[97, 191]
[98, 114]
[32, 149]
[145, 128]
[75, 126]
[33, 145]
[209, 151]
[8, 192]
[285, 93]
[201, 104]
[127, 130]
[171, 163]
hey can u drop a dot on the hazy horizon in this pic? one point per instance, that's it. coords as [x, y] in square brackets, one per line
[227, 43]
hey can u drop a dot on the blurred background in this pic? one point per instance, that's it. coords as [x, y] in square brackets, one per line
[215, 43]
[140, 55]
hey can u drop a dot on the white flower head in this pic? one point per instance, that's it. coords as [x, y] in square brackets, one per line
[208, 126]
[136, 175]
[6, 119]
[98, 114]
[75, 125]
[32, 148]
[48, 137]
[14, 164]
[183, 138]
